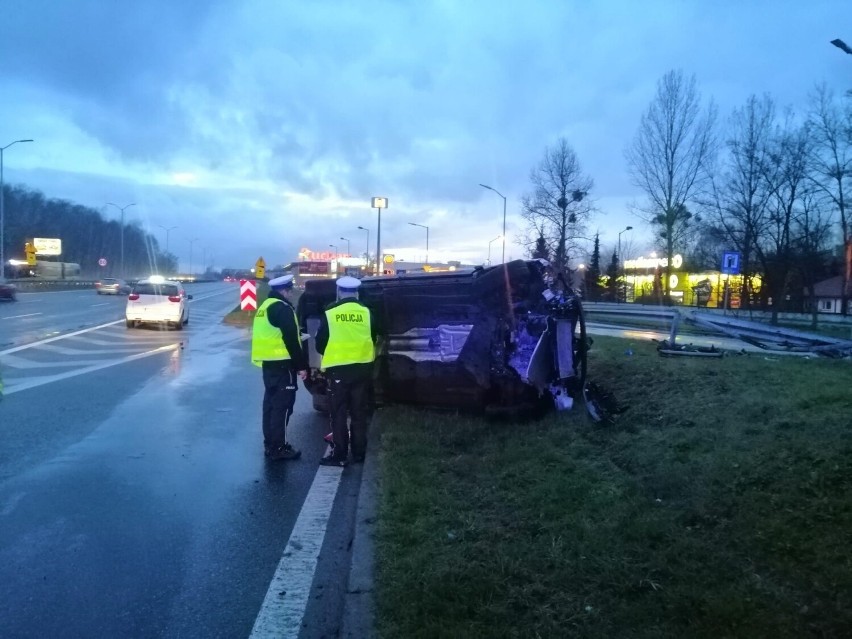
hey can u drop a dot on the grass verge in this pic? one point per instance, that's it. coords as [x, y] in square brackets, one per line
[717, 506]
[239, 317]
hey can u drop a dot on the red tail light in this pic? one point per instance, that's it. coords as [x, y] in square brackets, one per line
[133, 297]
[174, 298]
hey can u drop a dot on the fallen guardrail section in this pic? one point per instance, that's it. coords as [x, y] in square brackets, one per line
[767, 337]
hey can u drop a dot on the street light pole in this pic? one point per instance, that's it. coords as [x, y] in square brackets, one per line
[2, 211]
[485, 186]
[499, 237]
[379, 203]
[368, 248]
[336, 263]
[423, 226]
[167, 230]
[348, 246]
[620, 260]
[121, 208]
[191, 242]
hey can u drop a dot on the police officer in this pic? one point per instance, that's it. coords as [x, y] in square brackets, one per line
[346, 339]
[276, 347]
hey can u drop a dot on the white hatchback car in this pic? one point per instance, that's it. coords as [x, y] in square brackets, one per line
[157, 301]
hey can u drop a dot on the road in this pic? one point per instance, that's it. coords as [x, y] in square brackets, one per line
[134, 496]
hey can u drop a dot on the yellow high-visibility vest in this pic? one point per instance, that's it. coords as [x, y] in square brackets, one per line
[350, 339]
[266, 341]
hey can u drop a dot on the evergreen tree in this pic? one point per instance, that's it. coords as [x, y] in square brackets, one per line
[612, 274]
[541, 251]
[593, 274]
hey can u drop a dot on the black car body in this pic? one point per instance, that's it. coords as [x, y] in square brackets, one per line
[8, 291]
[498, 339]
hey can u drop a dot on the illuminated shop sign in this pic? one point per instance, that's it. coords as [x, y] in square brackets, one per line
[307, 254]
[654, 262]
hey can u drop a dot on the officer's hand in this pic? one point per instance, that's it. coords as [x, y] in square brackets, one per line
[303, 375]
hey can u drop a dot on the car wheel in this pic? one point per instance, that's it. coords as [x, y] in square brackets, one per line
[129, 323]
[178, 326]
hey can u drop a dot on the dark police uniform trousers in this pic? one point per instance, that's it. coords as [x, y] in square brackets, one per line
[279, 397]
[349, 396]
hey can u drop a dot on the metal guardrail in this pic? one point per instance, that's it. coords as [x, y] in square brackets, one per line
[668, 312]
[35, 284]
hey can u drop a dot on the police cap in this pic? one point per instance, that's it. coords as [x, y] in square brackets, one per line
[348, 284]
[283, 282]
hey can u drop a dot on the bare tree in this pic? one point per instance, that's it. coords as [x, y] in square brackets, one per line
[788, 174]
[831, 124]
[670, 156]
[741, 197]
[812, 236]
[557, 209]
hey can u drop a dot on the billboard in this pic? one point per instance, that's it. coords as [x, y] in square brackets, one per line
[47, 246]
[313, 268]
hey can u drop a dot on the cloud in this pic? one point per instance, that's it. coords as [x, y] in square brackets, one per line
[292, 115]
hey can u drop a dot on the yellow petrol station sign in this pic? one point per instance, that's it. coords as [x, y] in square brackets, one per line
[31, 253]
[260, 268]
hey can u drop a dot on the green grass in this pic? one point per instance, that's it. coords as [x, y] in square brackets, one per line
[718, 505]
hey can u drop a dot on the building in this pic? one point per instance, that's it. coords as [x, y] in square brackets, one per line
[828, 296]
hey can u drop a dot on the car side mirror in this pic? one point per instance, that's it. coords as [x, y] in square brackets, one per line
[189, 297]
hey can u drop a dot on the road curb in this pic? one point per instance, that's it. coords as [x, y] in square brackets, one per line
[359, 608]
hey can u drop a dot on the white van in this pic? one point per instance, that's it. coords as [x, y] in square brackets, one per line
[157, 301]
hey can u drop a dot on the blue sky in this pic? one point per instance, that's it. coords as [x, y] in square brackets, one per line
[261, 127]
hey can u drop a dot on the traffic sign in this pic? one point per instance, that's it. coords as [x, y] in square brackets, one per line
[248, 295]
[731, 263]
[102, 262]
[260, 268]
[388, 258]
[31, 254]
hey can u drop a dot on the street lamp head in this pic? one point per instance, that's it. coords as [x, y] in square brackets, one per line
[629, 228]
[840, 44]
[363, 229]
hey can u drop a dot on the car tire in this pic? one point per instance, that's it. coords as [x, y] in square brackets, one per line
[178, 326]
[129, 323]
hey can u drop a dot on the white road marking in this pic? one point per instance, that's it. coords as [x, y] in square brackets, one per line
[58, 337]
[16, 361]
[34, 382]
[17, 316]
[64, 350]
[284, 605]
[103, 304]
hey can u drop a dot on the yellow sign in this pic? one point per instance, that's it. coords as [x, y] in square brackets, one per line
[260, 268]
[31, 254]
[388, 258]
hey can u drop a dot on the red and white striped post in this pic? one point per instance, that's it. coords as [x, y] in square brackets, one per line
[248, 295]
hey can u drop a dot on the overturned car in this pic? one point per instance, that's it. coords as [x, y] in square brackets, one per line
[504, 340]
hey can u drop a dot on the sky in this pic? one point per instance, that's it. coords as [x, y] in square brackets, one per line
[261, 127]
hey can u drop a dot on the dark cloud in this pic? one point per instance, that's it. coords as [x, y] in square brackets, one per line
[339, 101]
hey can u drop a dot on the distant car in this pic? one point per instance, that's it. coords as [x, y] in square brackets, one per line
[157, 301]
[112, 286]
[8, 291]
